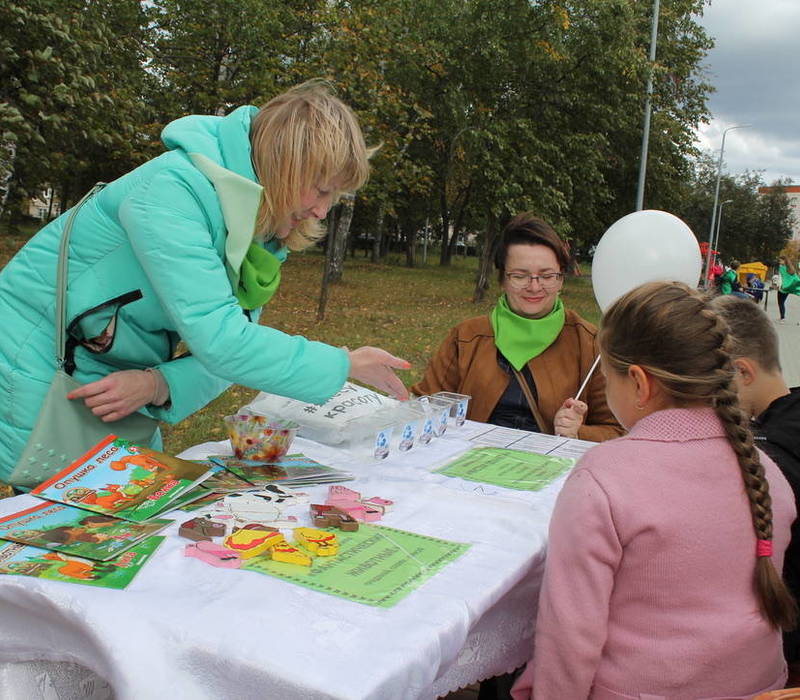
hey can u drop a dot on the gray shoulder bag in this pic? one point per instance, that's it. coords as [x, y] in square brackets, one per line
[65, 429]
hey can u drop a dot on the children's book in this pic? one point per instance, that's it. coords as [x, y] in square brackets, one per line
[224, 481]
[75, 531]
[291, 470]
[193, 495]
[205, 499]
[119, 478]
[24, 560]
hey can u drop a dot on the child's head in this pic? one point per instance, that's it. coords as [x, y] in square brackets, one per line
[307, 146]
[663, 346]
[645, 337]
[753, 345]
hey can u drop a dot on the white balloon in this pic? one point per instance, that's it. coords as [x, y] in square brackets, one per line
[646, 246]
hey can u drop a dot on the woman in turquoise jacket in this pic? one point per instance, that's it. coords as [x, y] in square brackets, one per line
[188, 247]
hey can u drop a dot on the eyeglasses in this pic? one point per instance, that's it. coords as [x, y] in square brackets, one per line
[520, 280]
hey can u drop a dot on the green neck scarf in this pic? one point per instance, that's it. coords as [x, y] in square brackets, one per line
[259, 277]
[254, 270]
[520, 339]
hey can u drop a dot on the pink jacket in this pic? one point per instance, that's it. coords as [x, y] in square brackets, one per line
[648, 587]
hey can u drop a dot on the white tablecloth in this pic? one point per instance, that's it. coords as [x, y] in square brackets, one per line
[186, 630]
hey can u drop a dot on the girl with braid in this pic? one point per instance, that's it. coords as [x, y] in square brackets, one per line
[661, 579]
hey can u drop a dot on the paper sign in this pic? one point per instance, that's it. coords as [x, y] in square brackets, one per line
[375, 566]
[512, 469]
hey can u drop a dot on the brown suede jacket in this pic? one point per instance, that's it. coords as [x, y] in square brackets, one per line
[466, 363]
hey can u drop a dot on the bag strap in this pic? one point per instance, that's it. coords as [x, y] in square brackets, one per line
[523, 383]
[61, 278]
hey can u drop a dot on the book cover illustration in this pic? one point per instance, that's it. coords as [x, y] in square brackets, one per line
[291, 470]
[24, 560]
[224, 481]
[75, 531]
[128, 481]
[202, 497]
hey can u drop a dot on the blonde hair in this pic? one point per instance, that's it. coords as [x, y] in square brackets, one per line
[664, 315]
[301, 139]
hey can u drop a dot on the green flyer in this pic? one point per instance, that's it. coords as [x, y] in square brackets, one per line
[375, 565]
[511, 469]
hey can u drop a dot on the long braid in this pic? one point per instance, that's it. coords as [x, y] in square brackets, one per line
[777, 604]
[699, 371]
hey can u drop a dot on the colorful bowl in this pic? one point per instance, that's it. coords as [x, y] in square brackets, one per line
[260, 438]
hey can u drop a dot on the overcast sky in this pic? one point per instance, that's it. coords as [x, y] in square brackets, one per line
[755, 67]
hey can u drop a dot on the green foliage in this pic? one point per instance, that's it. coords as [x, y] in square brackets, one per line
[211, 56]
[753, 225]
[68, 79]
[481, 107]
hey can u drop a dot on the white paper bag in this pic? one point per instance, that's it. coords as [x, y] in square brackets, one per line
[325, 423]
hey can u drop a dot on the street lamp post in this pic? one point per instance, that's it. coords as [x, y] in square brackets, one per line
[719, 222]
[647, 108]
[716, 196]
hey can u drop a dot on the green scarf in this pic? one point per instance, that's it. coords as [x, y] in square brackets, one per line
[520, 339]
[259, 277]
[254, 270]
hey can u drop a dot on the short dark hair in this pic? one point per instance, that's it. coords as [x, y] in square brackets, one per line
[751, 332]
[529, 229]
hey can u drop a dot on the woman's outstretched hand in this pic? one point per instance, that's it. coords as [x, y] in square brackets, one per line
[374, 366]
[569, 418]
[119, 394]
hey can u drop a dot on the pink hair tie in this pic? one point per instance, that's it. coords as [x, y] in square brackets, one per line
[764, 548]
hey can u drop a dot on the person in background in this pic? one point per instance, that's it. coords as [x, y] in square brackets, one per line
[755, 287]
[715, 271]
[789, 283]
[665, 546]
[775, 413]
[189, 247]
[728, 282]
[529, 346]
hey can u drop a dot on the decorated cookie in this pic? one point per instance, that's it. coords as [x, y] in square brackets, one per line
[213, 554]
[251, 542]
[289, 554]
[351, 502]
[280, 495]
[319, 542]
[200, 529]
[331, 516]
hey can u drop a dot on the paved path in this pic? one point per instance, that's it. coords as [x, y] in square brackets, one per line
[788, 336]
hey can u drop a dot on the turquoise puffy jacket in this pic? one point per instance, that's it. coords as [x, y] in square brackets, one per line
[150, 248]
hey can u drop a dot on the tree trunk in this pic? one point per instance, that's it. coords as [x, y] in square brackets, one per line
[377, 238]
[339, 219]
[50, 203]
[338, 243]
[7, 158]
[458, 224]
[411, 245]
[444, 253]
[333, 216]
[483, 278]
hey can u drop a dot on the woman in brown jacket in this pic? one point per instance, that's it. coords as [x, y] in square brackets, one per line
[524, 362]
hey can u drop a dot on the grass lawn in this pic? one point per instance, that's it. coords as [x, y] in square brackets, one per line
[405, 311]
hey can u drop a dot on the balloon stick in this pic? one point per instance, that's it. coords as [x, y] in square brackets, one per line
[588, 377]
